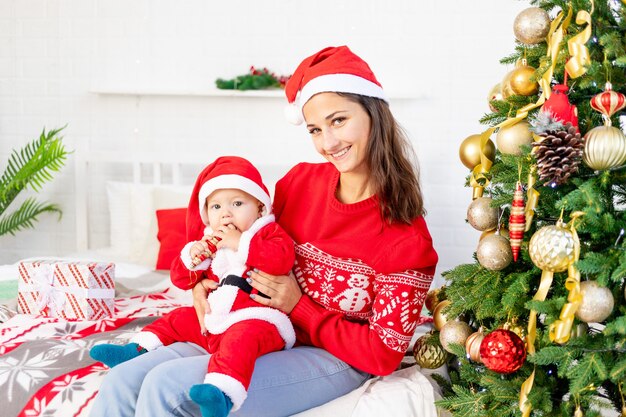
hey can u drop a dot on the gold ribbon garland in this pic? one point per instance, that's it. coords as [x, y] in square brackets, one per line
[478, 180]
[532, 197]
[560, 330]
[579, 62]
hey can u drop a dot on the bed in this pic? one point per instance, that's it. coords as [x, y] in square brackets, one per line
[45, 368]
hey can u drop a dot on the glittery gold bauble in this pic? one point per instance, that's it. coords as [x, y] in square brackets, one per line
[520, 80]
[494, 94]
[531, 26]
[428, 352]
[469, 152]
[551, 248]
[472, 345]
[597, 303]
[516, 328]
[454, 332]
[605, 147]
[439, 319]
[505, 85]
[494, 252]
[432, 299]
[481, 215]
[510, 138]
[503, 232]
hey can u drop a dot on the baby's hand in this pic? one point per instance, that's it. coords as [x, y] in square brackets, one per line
[229, 237]
[203, 249]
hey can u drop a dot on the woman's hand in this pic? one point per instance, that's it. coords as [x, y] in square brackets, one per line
[200, 293]
[283, 290]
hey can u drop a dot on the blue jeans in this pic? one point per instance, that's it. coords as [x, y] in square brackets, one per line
[157, 383]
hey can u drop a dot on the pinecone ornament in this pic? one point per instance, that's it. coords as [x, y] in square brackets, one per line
[559, 153]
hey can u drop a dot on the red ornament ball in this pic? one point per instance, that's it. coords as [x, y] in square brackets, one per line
[503, 351]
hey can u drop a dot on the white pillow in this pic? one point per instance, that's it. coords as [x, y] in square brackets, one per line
[133, 223]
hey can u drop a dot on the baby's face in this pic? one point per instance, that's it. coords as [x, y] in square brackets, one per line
[232, 207]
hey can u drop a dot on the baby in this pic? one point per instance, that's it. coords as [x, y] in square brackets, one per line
[239, 234]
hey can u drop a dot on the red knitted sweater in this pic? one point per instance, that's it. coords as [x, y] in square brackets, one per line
[364, 281]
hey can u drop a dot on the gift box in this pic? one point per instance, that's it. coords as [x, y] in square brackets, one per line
[66, 289]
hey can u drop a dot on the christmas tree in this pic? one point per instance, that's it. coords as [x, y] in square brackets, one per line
[537, 325]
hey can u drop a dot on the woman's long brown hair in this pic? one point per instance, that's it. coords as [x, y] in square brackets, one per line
[392, 163]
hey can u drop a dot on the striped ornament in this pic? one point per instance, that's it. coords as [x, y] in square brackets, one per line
[517, 221]
[608, 102]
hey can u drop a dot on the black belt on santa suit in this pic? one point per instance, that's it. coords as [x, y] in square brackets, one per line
[239, 282]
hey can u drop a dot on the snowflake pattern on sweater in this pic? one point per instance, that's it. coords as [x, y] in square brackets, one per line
[390, 303]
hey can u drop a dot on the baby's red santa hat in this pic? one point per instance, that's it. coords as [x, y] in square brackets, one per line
[226, 172]
[333, 69]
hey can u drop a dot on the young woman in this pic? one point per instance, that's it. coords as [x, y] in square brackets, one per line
[364, 260]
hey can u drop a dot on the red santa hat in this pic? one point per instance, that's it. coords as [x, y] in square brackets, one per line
[226, 172]
[333, 69]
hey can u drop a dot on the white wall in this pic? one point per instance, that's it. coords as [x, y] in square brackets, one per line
[441, 56]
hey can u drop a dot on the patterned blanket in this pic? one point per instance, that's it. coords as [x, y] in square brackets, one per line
[45, 368]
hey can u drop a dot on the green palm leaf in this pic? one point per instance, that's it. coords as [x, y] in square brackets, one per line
[26, 216]
[32, 166]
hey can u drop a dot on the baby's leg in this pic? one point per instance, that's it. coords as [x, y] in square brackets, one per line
[180, 325]
[231, 366]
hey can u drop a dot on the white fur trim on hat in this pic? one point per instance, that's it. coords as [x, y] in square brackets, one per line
[336, 83]
[229, 386]
[238, 182]
[217, 324]
[147, 340]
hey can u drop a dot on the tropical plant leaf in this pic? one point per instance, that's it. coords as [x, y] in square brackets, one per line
[32, 166]
[26, 216]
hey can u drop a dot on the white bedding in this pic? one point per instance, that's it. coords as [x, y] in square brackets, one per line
[140, 294]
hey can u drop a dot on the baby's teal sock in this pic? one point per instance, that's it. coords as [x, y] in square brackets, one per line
[213, 402]
[113, 355]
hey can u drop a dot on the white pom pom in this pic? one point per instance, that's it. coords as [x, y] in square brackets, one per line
[293, 114]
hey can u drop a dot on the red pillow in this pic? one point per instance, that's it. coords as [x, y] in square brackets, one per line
[171, 234]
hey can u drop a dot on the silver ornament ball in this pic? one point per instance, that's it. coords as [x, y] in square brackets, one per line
[597, 302]
[494, 252]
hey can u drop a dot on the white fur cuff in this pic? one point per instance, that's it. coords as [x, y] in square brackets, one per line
[186, 258]
[147, 340]
[229, 386]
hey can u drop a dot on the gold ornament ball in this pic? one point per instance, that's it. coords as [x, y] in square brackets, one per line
[469, 152]
[494, 252]
[520, 81]
[481, 215]
[439, 318]
[510, 138]
[454, 332]
[494, 94]
[472, 345]
[432, 299]
[505, 85]
[516, 328]
[503, 232]
[531, 26]
[605, 147]
[551, 248]
[597, 303]
[429, 353]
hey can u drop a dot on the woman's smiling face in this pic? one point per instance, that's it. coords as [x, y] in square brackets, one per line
[340, 129]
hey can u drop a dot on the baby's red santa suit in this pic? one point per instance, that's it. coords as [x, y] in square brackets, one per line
[265, 246]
